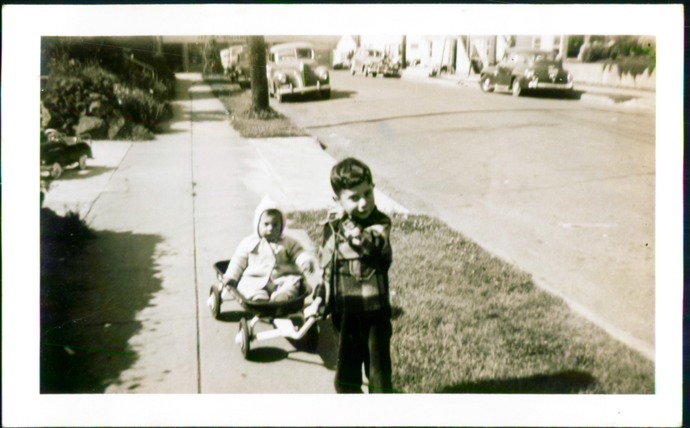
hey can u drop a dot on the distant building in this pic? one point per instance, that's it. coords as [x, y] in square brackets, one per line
[343, 51]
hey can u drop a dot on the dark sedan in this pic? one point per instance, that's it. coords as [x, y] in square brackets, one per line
[527, 69]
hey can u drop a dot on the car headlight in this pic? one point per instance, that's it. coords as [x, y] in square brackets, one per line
[529, 74]
[322, 73]
[281, 77]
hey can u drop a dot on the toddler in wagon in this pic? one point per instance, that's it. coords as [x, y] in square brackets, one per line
[267, 265]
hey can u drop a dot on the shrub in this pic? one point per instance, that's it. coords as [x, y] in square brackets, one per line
[136, 103]
[96, 85]
[596, 51]
[631, 54]
[75, 91]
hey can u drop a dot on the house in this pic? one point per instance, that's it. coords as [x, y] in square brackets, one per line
[343, 51]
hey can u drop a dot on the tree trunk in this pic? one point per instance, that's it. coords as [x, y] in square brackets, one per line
[403, 53]
[257, 72]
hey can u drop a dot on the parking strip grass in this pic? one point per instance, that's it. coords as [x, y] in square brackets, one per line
[468, 322]
[249, 124]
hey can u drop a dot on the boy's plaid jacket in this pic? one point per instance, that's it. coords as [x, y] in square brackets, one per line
[356, 276]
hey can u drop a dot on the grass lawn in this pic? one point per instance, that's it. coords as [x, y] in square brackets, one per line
[467, 322]
[250, 125]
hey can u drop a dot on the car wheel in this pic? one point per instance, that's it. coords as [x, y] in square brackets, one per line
[55, 170]
[365, 71]
[373, 74]
[325, 94]
[515, 88]
[214, 302]
[353, 70]
[485, 84]
[244, 344]
[82, 162]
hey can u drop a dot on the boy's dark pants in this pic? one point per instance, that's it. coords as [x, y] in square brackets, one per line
[364, 338]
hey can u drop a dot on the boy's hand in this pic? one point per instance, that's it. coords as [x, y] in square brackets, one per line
[319, 291]
[352, 233]
[307, 266]
[231, 283]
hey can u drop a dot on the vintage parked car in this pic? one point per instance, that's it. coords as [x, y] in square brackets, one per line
[373, 62]
[235, 60]
[526, 69]
[292, 70]
[60, 151]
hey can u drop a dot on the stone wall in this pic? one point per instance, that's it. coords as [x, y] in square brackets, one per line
[596, 74]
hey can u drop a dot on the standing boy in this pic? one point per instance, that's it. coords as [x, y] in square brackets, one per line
[356, 255]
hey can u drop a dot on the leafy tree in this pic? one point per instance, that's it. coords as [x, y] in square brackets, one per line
[211, 57]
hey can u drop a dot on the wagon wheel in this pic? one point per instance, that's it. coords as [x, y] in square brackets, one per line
[515, 88]
[214, 302]
[82, 162]
[55, 170]
[244, 344]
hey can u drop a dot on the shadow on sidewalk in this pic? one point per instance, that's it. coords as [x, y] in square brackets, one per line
[93, 284]
[91, 171]
[564, 382]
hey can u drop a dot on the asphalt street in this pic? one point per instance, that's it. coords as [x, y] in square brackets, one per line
[563, 188]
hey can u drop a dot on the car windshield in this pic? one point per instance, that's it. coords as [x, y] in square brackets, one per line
[544, 57]
[373, 53]
[526, 58]
[292, 54]
[304, 53]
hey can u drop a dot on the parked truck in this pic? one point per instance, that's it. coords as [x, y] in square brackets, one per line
[235, 60]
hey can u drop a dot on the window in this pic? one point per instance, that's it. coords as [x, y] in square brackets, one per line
[304, 53]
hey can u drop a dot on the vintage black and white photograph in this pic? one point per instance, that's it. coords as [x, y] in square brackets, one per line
[457, 213]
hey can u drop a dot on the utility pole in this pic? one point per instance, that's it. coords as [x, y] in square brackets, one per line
[563, 47]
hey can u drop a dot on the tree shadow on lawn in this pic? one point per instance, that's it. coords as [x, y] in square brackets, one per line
[564, 382]
[206, 116]
[92, 286]
[315, 96]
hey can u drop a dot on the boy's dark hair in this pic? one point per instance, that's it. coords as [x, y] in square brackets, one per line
[348, 173]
